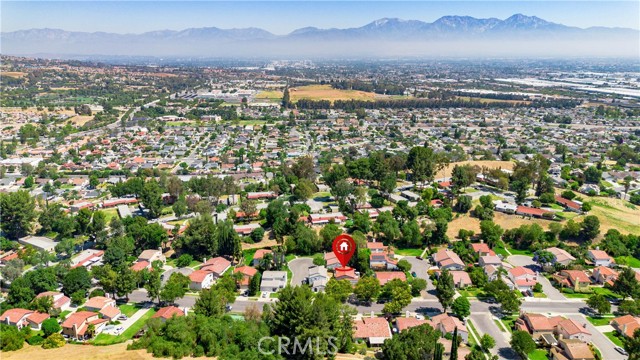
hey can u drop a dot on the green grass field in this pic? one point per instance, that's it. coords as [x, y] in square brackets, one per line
[248, 256]
[628, 260]
[599, 321]
[614, 337]
[538, 354]
[472, 328]
[409, 252]
[106, 339]
[128, 309]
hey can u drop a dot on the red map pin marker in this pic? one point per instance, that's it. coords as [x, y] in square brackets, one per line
[344, 247]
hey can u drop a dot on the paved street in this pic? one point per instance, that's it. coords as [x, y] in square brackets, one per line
[420, 267]
[485, 324]
[526, 261]
[300, 269]
[599, 340]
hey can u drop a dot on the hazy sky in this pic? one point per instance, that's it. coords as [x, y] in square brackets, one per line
[281, 17]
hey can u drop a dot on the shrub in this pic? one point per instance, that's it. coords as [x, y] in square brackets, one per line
[184, 260]
[35, 340]
[53, 341]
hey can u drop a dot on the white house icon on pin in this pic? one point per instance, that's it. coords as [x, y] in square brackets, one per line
[344, 246]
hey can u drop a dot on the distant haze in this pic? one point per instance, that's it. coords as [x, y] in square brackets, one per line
[449, 36]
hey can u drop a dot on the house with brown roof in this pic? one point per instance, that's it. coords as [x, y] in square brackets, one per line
[98, 303]
[152, 255]
[346, 274]
[571, 329]
[626, 325]
[331, 260]
[403, 323]
[247, 273]
[201, 279]
[604, 275]
[447, 324]
[22, 317]
[110, 313]
[569, 205]
[167, 313]
[482, 249]
[259, 255]
[600, 258]
[461, 279]
[560, 256]
[575, 279]
[373, 330]
[490, 260]
[537, 324]
[522, 278]
[60, 301]
[448, 259]
[386, 276]
[76, 325]
[571, 349]
[217, 266]
[383, 260]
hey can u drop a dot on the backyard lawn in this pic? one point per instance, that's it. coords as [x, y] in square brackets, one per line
[629, 260]
[538, 354]
[472, 292]
[409, 252]
[599, 321]
[595, 290]
[248, 256]
[106, 339]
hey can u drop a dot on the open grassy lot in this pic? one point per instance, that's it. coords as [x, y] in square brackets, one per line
[506, 221]
[273, 95]
[71, 351]
[491, 164]
[628, 260]
[409, 252]
[14, 74]
[128, 309]
[538, 354]
[613, 214]
[326, 92]
[106, 339]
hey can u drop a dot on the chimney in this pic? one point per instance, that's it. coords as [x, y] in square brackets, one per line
[407, 314]
[186, 311]
[372, 315]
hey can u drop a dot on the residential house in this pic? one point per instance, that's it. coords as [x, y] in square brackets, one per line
[376, 247]
[568, 205]
[318, 278]
[167, 313]
[110, 313]
[373, 330]
[571, 329]
[259, 255]
[532, 212]
[383, 260]
[482, 249]
[346, 274]
[461, 279]
[604, 275]
[537, 324]
[522, 278]
[493, 260]
[273, 280]
[77, 324]
[626, 325]
[403, 323]
[98, 303]
[600, 258]
[575, 279]
[331, 260]
[447, 325]
[447, 259]
[140, 265]
[217, 266]
[247, 273]
[463, 351]
[560, 256]
[201, 279]
[152, 255]
[22, 317]
[571, 349]
[60, 301]
[247, 229]
[386, 276]
[321, 219]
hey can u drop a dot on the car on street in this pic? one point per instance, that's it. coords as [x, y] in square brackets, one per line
[264, 294]
[621, 350]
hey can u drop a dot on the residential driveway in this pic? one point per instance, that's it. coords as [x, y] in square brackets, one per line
[526, 261]
[485, 324]
[300, 269]
[420, 267]
[130, 321]
[600, 340]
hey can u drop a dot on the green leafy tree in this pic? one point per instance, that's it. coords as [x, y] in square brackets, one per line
[367, 288]
[490, 232]
[78, 298]
[153, 285]
[599, 303]
[254, 284]
[328, 233]
[487, 342]
[632, 345]
[461, 307]
[17, 213]
[417, 285]
[626, 284]
[445, 289]
[151, 197]
[590, 227]
[77, 279]
[175, 288]
[126, 282]
[522, 343]
[416, 343]
[54, 341]
[50, 326]
[184, 260]
[339, 289]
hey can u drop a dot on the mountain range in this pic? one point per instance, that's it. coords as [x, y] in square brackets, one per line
[449, 36]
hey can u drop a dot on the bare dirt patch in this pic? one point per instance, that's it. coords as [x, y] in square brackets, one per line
[491, 164]
[326, 92]
[80, 119]
[14, 74]
[69, 351]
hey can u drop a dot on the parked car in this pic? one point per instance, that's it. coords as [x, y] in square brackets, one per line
[621, 350]
[264, 294]
[413, 273]
[124, 317]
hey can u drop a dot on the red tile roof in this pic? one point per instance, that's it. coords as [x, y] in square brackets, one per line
[167, 312]
[386, 276]
[371, 327]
